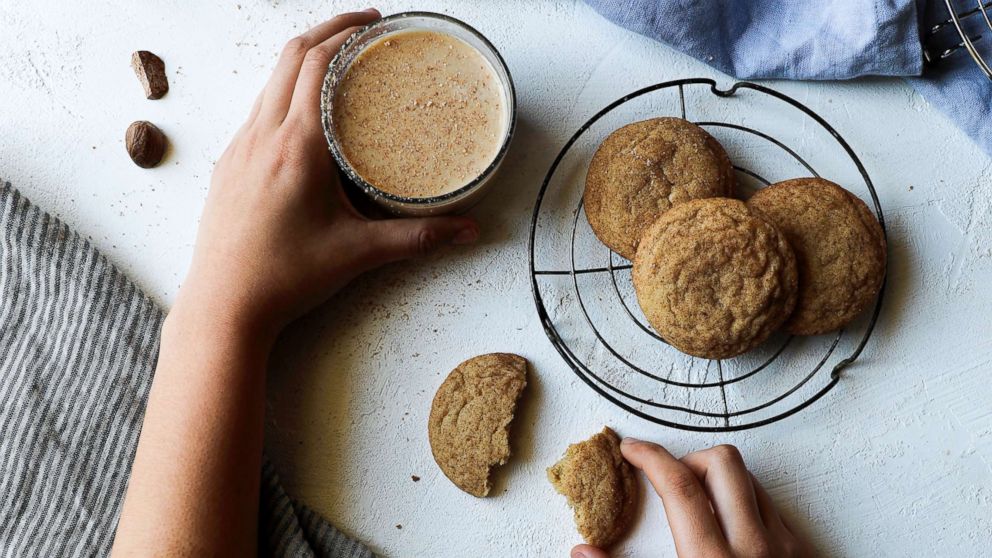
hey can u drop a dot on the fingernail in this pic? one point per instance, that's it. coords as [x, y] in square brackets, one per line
[468, 235]
[629, 440]
[578, 554]
[371, 11]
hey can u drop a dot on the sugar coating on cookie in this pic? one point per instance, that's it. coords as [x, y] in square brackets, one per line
[469, 424]
[713, 278]
[600, 486]
[643, 169]
[839, 247]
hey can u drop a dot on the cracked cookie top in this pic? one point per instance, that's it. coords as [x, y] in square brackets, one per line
[469, 424]
[839, 247]
[643, 169]
[714, 278]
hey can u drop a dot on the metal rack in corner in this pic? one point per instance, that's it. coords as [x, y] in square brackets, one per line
[965, 29]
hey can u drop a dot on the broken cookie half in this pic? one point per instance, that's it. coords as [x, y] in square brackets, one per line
[469, 424]
[600, 486]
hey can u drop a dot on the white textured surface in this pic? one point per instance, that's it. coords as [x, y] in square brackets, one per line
[896, 461]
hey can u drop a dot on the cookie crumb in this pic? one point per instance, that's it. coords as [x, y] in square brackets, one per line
[415, 478]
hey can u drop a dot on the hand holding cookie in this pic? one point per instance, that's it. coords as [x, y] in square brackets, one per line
[715, 506]
[600, 486]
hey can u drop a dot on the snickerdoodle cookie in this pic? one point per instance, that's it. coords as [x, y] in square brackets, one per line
[643, 169]
[469, 424]
[600, 486]
[714, 278]
[839, 247]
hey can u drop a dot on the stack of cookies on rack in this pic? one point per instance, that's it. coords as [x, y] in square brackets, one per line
[716, 276]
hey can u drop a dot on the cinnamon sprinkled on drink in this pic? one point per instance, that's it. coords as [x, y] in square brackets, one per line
[419, 114]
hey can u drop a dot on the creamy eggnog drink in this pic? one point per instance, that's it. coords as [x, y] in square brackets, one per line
[419, 113]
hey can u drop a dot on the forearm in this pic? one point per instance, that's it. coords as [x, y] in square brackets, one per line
[195, 480]
[277, 236]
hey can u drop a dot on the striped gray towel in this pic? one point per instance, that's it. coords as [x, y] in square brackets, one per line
[78, 343]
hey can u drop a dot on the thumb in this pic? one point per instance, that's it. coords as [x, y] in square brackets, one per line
[390, 240]
[587, 551]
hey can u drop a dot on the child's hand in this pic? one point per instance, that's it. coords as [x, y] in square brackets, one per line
[715, 507]
[278, 235]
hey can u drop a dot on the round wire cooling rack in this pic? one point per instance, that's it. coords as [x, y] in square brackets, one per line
[588, 313]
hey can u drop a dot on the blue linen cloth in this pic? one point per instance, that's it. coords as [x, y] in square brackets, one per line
[827, 39]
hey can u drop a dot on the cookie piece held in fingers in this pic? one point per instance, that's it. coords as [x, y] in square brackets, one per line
[839, 247]
[600, 486]
[713, 278]
[469, 424]
[643, 169]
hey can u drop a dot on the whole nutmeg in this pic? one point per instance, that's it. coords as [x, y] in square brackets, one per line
[145, 143]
